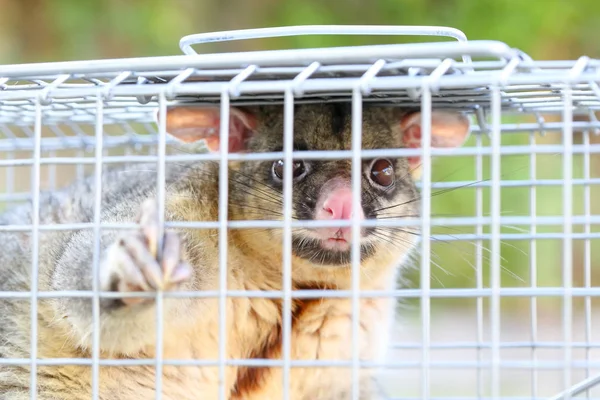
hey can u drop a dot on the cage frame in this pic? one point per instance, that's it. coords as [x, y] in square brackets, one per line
[575, 81]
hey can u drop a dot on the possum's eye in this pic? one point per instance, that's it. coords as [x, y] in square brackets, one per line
[299, 169]
[382, 172]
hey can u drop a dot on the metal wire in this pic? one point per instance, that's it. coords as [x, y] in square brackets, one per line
[533, 272]
[223, 238]
[356, 179]
[97, 253]
[161, 201]
[35, 234]
[55, 114]
[187, 41]
[495, 242]
[288, 147]
[587, 254]
[426, 136]
[567, 240]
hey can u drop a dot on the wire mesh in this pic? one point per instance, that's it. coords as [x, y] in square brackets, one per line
[517, 216]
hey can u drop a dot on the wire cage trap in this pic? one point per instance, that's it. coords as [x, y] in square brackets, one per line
[502, 302]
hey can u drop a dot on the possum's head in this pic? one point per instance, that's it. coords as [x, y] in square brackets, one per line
[322, 188]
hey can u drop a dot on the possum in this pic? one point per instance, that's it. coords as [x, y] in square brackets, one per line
[130, 261]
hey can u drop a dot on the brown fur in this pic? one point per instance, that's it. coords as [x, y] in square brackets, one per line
[321, 327]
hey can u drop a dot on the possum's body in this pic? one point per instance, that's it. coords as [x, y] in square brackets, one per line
[321, 327]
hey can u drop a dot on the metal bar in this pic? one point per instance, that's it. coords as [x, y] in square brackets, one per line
[479, 259]
[35, 250]
[242, 76]
[533, 260]
[458, 185]
[443, 222]
[356, 176]
[322, 363]
[331, 55]
[304, 75]
[453, 345]
[495, 208]
[223, 238]
[537, 66]
[567, 248]
[175, 82]
[343, 86]
[311, 294]
[578, 388]
[314, 155]
[147, 116]
[587, 252]
[288, 169]
[96, 254]
[161, 200]
[426, 137]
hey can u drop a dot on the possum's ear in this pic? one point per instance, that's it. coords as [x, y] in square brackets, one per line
[448, 129]
[190, 124]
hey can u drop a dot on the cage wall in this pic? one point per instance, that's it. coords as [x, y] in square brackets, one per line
[498, 302]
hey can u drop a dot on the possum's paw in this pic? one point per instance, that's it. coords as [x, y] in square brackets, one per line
[132, 260]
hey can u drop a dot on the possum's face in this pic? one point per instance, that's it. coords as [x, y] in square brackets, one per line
[322, 189]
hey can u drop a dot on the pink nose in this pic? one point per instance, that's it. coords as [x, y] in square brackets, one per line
[338, 205]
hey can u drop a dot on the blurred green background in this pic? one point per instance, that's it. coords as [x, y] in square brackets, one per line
[52, 30]
[58, 30]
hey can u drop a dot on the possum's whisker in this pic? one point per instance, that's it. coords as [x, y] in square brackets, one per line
[438, 280]
[443, 191]
[216, 234]
[463, 253]
[268, 200]
[439, 192]
[417, 232]
[389, 241]
[126, 171]
[246, 206]
[516, 228]
[415, 261]
[269, 187]
[260, 214]
[454, 247]
[444, 270]
[472, 243]
[380, 234]
[267, 195]
[257, 181]
[259, 230]
[400, 216]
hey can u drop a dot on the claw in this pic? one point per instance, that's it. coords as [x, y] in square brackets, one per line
[181, 273]
[171, 254]
[148, 219]
[135, 257]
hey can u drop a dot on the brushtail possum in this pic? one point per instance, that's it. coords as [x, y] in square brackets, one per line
[321, 328]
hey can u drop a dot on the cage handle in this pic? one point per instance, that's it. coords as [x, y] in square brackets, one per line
[186, 43]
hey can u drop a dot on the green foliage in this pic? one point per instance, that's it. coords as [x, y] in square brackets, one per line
[75, 29]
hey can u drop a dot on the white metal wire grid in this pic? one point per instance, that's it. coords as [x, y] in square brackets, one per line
[64, 120]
